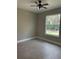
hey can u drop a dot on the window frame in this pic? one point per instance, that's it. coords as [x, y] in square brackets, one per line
[59, 26]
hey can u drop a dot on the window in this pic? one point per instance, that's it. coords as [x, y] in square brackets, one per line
[52, 24]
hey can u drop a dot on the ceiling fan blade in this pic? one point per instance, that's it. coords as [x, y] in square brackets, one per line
[36, 2]
[44, 7]
[45, 4]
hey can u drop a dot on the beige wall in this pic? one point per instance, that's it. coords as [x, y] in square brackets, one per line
[41, 25]
[30, 24]
[26, 24]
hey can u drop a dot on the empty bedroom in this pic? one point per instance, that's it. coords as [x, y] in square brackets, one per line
[38, 29]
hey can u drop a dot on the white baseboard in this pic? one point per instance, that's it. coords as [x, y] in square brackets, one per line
[49, 40]
[39, 38]
[25, 40]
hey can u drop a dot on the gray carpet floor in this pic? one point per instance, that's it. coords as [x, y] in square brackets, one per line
[37, 49]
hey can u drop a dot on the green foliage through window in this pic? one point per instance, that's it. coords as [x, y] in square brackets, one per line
[52, 24]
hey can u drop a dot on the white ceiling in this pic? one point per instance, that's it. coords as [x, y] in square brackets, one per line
[26, 4]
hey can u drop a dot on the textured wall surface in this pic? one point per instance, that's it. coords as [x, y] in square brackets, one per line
[41, 24]
[26, 24]
[30, 24]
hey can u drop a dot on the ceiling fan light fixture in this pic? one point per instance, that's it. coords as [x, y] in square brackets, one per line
[40, 5]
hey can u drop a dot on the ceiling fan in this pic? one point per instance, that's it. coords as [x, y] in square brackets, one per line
[39, 4]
